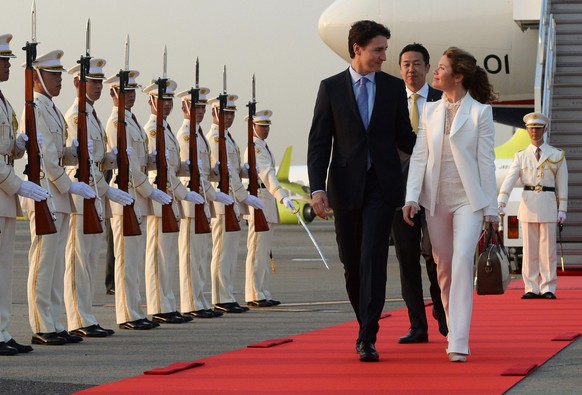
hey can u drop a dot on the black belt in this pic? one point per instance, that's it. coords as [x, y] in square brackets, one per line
[539, 188]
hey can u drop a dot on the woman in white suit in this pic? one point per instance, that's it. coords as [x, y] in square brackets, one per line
[452, 175]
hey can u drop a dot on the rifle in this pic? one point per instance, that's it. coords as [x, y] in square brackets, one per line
[261, 224]
[200, 221]
[91, 219]
[44, 219]
[230, 218]
[169, 221]
[130, 220]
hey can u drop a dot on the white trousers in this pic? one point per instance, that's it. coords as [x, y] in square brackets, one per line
[7, 235]
[454, 235]
[81, 258]
[129, 266]
[161, 261]
[46, 273]
[193, 267]
[539, 257]
[223, 263]
[258, 268]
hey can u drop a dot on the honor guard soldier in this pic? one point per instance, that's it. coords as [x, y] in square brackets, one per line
[257, 293]
[47, 252]
[194, 247]
[84, 250]
[544, 201]
[225, 244]
[162, 248]
[11, 186]
[130, 250]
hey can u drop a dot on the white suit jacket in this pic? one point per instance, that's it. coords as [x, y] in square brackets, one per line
[472, 138]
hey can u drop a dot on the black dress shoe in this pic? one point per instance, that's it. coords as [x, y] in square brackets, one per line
[245, 308]
[260, 303]
[549, 295]
[414, 336]
[530, 295]
[216, 313]
[153, 324]
[109, 331]
[441, 317]
[89, 331]
[110, 292]
[70, 338]
[368, 353]
[168, 318]
[5, 349]
[274, 302]
[230, 308]
[137, 325]
[21, 348]
[48, 339]
[185, 317]
[200, 314]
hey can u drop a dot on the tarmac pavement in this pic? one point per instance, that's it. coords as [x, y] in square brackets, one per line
[312, 298]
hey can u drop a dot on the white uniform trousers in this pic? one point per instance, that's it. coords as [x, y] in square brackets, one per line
[454, 235]
[258, 263]
[46, 274]
[129, 264]
[7, 234]
[81, 258]
[193, 267]
[161, 261]
[539, 257]
[223, 263]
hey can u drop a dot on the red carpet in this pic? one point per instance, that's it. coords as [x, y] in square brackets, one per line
[510, 337]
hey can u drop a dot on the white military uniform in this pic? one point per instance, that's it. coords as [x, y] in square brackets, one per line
[9, 208]
[538, 212]
[194, 247]
[225, 244]
[162, 248]
[259, 243]
[46, 256]
[130, 250]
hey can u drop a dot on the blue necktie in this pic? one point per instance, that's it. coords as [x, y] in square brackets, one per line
[363, 100]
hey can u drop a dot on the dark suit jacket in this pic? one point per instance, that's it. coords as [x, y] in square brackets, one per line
[337, 125]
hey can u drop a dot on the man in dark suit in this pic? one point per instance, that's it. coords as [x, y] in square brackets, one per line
[362, 114]
[411, 241]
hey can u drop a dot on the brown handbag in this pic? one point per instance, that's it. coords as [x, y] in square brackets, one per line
[492, 267]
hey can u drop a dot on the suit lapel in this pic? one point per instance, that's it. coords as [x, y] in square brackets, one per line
[462, 114]
[435, 130]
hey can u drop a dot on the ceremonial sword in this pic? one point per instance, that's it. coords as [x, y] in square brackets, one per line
[312, 239]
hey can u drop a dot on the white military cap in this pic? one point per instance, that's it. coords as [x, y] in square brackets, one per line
[50, 61]
[202, 96]
[95, 69]
[5, 51]
[230, 105]
[131, 82]
[535, 120]
[152, 89]
[262, 117]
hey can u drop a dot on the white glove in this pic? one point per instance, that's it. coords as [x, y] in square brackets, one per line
[39, 139]
[217, 167]
[21, 142]
[29, 189]
[224, 198]
[160, 197]
[118, 196]
[194, 197]
[289, 204]
[501, 208]
[90, 146]
[561, 216]
[199, 164]
[83, 190]
[167, 155]
[254, 202]
[129, 151]
[114, 151]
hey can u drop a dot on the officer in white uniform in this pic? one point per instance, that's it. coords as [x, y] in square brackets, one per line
[162, 248]
[225, 244]
[543, 172]
[11, 147]
[193, 247]
[47, 252]
[257, 293]
[84, 250]
[130, 250]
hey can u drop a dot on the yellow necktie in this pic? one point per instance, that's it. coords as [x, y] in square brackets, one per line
[414, 112]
